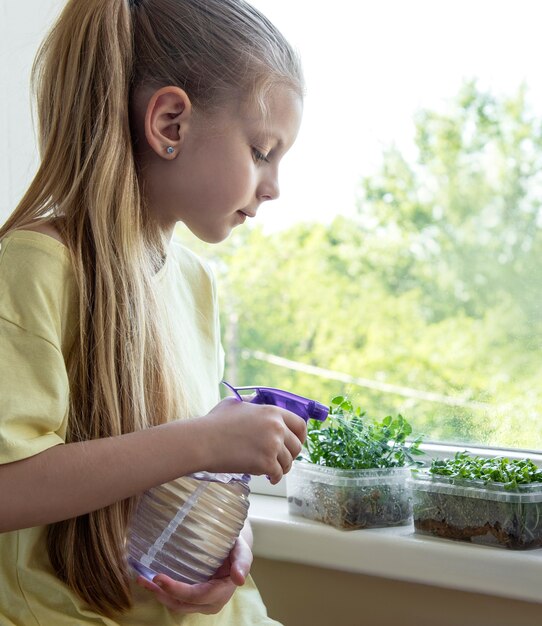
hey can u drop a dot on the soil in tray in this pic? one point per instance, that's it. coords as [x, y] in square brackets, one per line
[490, 534]
[370, 508]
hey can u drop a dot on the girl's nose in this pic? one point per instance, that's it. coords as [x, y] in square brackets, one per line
[269, 188]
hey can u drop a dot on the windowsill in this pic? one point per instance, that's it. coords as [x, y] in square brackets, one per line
[395, 553]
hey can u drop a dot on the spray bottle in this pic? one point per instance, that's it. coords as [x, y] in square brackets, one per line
[187, 528]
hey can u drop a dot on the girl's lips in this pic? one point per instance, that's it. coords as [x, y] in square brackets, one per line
[248, 213]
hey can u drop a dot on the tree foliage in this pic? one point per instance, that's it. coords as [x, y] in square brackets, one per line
[434, 286]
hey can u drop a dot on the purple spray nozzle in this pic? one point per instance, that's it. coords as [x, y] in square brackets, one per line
[304, 407]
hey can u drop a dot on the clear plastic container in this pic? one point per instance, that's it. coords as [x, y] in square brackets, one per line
[186, 529]
[470, 510]
[349, 499]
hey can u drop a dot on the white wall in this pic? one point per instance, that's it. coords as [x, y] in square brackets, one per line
[23, 24]
[297, 595]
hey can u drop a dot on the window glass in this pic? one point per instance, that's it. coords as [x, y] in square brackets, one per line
[402, 265]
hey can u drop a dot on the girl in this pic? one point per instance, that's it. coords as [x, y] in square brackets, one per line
[150, 112]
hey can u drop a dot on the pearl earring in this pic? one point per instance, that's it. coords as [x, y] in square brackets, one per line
[170, 149]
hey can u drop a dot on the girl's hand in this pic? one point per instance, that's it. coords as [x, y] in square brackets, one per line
[207, 598]
[240, 437]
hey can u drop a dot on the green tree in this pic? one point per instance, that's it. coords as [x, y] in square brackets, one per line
[434, 287]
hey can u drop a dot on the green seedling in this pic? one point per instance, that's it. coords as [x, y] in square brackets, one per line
[349, 440]
[509, 472]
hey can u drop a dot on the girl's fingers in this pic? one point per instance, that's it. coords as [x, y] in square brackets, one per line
[285, 459]
[178, 606]
[241, 562]
[277, 474]
[199, 593]
[147, 584]
[296, 424]
[207, 598]
[293, 444]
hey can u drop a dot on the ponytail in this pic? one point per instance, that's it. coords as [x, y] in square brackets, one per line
[87, 181]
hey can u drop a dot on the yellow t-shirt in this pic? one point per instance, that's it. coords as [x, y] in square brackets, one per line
[38, 313]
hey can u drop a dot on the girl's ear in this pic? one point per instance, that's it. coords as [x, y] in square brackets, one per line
[166, 120]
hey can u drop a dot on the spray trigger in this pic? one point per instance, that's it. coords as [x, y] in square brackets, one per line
[304, 407]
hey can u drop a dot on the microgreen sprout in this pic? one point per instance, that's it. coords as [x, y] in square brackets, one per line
[349, 440]
[509, 472]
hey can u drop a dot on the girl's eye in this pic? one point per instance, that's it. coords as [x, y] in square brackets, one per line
[259, 156]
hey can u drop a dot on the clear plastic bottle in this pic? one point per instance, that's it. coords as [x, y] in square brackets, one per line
[186, 529]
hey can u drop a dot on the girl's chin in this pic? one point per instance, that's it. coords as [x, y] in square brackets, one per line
[215, 236]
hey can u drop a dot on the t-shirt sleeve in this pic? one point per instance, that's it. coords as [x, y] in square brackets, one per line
[33, 394]
[34, 389]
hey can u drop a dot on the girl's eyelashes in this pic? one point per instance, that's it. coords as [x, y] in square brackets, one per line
[259, 156]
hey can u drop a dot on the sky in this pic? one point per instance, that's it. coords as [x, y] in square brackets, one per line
[370, 65]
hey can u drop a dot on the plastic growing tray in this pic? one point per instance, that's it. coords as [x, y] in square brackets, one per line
[471, 510]
[349, 499]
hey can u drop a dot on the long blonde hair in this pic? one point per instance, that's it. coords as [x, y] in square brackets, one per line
[121, 374]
